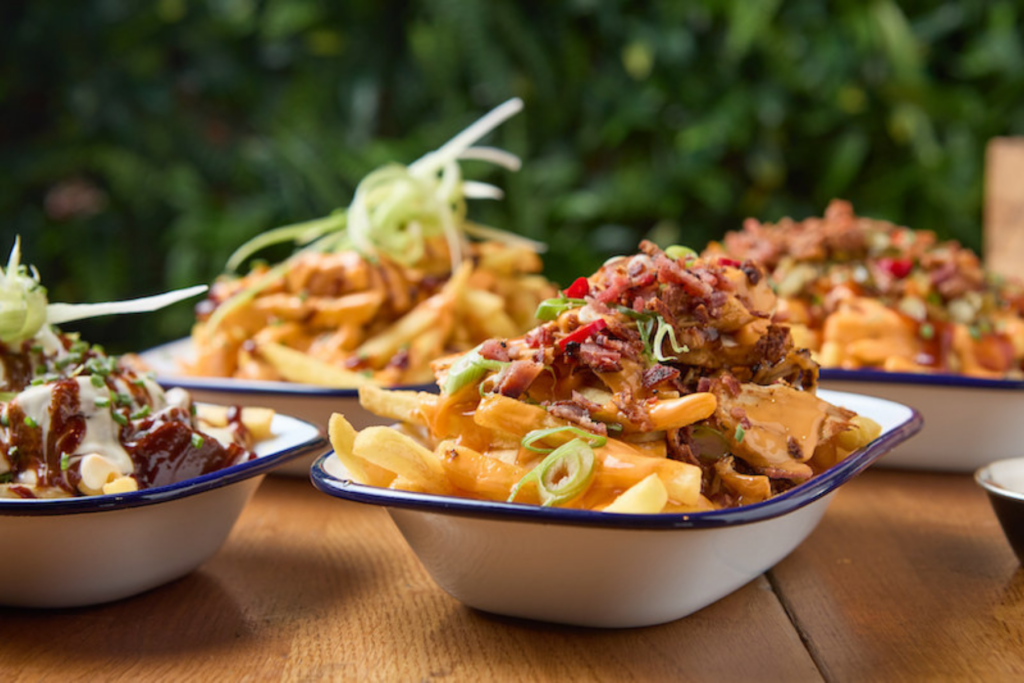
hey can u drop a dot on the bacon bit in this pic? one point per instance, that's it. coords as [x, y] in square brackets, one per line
[495, 349]
[540, 337]
[578, 289]
[582, 333]
[517, 378]
[600, 358]
[574, 412]
[656, 374]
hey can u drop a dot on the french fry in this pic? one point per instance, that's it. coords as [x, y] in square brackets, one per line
[477, 473]
[296, 366]
[864, 430]
[343, 437]
[398, 453]
[647, 496]
[679, 412]
[397, 405]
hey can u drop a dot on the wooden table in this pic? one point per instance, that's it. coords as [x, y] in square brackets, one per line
[907, 578]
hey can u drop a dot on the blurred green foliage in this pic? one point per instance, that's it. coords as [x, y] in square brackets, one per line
[142, 142]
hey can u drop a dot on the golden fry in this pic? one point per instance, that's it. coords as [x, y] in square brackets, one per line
[296, 366]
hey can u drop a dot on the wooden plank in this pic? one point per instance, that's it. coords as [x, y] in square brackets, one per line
[1004, 206]
[908, 578]
[309, 587]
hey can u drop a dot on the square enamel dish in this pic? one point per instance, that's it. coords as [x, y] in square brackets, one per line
[968, 421]
[305, 401]
[71, 552]
[603, 569]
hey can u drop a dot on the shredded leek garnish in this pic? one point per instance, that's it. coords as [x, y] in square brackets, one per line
[563, 475]
[24, 308]
[396, 209]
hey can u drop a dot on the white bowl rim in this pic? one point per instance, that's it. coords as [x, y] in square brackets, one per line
[936, 379]
[782, 504]
[189, 487]
[249, 386]
[983, 476]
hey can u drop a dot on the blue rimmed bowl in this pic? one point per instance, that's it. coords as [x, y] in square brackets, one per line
[312, 403]
[969, 421]
[71, 552]
[608, 570]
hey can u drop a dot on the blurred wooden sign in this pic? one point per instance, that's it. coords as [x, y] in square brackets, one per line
[1003, 235]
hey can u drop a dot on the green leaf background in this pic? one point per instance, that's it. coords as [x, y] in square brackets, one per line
[141, 142]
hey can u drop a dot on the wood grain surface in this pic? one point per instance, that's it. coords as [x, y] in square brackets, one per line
[906, 578]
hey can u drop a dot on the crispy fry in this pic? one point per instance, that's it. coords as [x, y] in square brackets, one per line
[477, 473]
[674, 413]
[400, 406]
[647, 496]
[398, 453]
[296, 366]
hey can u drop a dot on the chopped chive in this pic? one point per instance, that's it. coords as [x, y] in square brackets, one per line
[97, 381]
[65, 461]
[139, 382]
[30, 422]
[4, 420]
[123, 399]
[141, 413]
[102, 401]
[119, 418]
[740, 433]
[37, 381]
[197, 441]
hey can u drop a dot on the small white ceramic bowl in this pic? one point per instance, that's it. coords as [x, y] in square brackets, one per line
[969, 421]
[71, 552]
[608, 570]
[1003, 481]
[312, 403]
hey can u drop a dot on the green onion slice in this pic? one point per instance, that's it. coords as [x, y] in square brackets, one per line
[550, 309]
[563, 475]
[594, 440]
[469, 368]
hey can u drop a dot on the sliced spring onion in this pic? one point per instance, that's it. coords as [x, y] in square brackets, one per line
[677, 252]
[469, 368]
[550, 309]
[595, 440]
[563, 475]
[740, 433]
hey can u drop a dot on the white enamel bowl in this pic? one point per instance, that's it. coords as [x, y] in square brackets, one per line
[312, 403]
[968, 421]
[602, 569]
[83, 551]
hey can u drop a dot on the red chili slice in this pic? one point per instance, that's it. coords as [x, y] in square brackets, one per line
[578, 289]
[582, 333]
[724, 261]
[897, 267]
